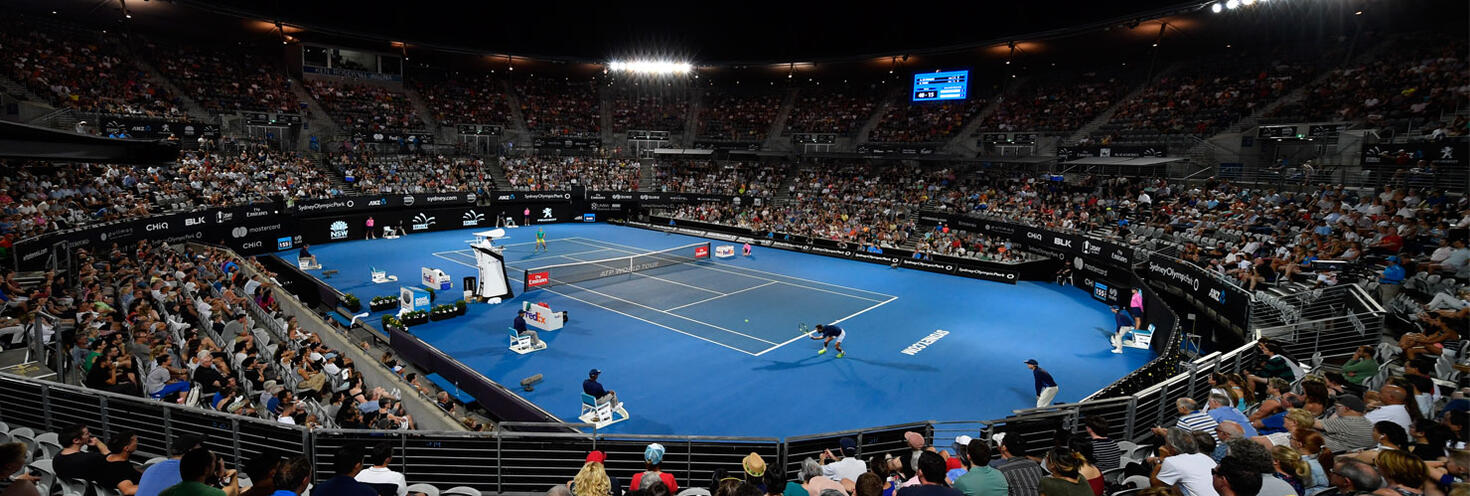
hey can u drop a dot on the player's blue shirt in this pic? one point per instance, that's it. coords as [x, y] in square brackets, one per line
[831, 331]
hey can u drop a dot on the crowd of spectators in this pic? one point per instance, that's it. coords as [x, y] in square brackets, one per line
[911, 122]
[256, 174]
[738, 115]
[1209, 95]
[465, 99]
[81, 69]
[866, 205]
[365, 107]
[560, 107]
[401, 174]
[1057, 106]
[644, 112]
[41, 197]
[562, 173]
[833, 109]
[719, 177]
[190, 326]
[223, 79]
[1418, 77]
[952, 242]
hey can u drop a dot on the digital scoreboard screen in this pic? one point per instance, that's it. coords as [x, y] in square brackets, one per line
[941, 86]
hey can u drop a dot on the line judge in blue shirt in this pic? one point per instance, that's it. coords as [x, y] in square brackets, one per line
[595, 389]
[1046, 388]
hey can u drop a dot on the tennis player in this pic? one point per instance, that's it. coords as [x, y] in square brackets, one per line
[541, 239]
[829, 333]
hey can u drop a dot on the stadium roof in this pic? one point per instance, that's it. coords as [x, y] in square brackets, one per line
[710, 33]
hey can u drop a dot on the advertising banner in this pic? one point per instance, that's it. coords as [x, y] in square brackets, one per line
[895, 257]
[1228, 300]
[378, 202]
[1409, 154]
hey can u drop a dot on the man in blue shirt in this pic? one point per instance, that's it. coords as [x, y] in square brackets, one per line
[1046, 387]
[829, 333]
[520, 327]
[1391, 280]
[347, 463]
[1125, 322]
[1219, 409]
[595, 390]
[161, 475]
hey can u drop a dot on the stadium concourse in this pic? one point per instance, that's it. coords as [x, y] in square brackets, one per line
[1236, 247]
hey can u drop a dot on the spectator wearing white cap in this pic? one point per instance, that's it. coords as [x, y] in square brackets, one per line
[653, 455]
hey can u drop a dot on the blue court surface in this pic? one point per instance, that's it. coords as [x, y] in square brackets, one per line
[713, 347]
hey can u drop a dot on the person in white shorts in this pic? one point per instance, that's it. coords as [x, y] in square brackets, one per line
[829, 333]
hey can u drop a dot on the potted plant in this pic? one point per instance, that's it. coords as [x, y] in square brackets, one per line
[380, 303]
[459, 307]
[391, 321]
[438, 313]
[351, 303]
[415, 317]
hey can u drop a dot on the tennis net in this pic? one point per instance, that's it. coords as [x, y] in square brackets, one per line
[574, 272]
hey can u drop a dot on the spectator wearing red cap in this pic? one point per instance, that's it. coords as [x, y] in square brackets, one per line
[593, 479]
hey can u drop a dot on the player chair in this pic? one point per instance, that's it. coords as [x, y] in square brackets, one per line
[601, 413]
[522, 344]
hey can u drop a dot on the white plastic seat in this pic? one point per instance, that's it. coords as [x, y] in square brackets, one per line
[601, 413]
[523, 344]
[426, 489]
[461, 491]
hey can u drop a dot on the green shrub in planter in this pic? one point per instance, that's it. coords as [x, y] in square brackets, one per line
[351, 303]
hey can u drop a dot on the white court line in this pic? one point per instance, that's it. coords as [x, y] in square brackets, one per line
[568, 254]
[838, 321]
[717, 269]
[752, 270]
[720, 296]
[640, 274]
[631, 302]
[701, 338]
[738, 333]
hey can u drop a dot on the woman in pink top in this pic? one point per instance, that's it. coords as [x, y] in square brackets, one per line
[370, 233]
[1135, 307]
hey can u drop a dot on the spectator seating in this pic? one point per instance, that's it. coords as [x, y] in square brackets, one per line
[560, 107]
[722, 177]
[666, 109]
[365, 108]
[840, 109]
[547, 173]
[79, 68]
[464, 98]
[738, 114]
[224, 79]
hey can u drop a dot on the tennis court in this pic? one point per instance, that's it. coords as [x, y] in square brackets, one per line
[674, 343]
[743, 309]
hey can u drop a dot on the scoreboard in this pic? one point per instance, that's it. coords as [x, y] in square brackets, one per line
[941, 86]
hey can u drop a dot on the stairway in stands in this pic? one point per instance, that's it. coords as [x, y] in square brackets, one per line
[191, 107]
[492, 165]
[773, 134]
[318, 122]
[1106, 115]
[879, 110]
[645, 175]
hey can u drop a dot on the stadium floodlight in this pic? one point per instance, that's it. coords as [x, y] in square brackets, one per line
[1232, 4]
[1247, 3]
[652, 67]
[1216, 8]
